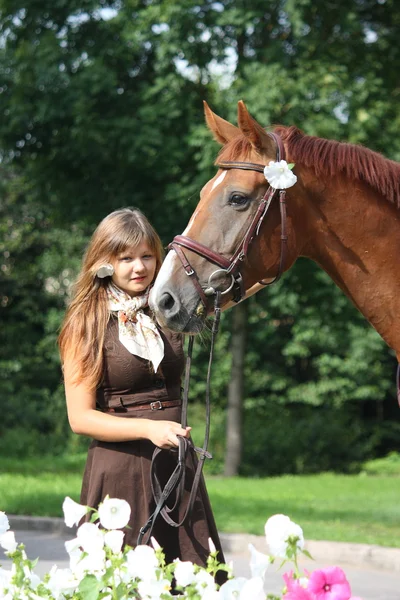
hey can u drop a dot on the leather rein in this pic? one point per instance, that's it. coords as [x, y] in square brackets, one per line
[231, 267]
[176, 481]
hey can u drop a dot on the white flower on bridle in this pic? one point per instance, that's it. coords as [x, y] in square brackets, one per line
[279, 174]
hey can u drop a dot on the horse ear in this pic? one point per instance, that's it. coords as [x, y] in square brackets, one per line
[223, 131]
[256, 135]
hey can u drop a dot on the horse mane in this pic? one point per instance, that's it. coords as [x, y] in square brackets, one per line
[329, 158]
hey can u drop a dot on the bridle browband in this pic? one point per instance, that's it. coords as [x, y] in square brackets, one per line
[231, 266]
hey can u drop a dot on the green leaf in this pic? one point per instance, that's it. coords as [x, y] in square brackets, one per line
[90, 587]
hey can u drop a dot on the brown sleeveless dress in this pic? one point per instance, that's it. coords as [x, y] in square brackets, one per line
[122, 469]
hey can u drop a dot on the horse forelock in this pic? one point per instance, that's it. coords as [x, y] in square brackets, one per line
[330, 158]
[238, 148]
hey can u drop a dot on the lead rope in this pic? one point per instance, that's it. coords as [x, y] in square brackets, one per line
[177, 478]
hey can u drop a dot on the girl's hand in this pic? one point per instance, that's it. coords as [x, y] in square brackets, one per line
[164, 433]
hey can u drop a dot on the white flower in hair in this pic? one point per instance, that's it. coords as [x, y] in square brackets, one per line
[106, 270]
[279, 174]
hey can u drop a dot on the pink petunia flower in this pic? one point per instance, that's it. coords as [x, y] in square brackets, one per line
[295, 591]
[329, 584]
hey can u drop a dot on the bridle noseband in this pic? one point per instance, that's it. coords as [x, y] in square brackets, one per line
[231, 266]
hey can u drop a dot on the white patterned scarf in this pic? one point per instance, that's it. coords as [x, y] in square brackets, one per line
[137, 331]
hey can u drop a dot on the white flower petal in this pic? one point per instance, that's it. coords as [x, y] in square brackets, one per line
[259, 562]
[152, 590]
[73, 512]
[278, 530]
[114, 513]
[90, 537]
[7, 541]
[231, 589]
[61, 580]
[155, 544]
[184, 573]
[254, 589]
[204, 582]
[4, 523]
[142, 562]
[114, 540]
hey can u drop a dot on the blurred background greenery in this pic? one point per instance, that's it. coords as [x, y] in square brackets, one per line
[101, 107]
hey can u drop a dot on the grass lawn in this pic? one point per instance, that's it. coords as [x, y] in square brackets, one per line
[352, 508]
[347, 508]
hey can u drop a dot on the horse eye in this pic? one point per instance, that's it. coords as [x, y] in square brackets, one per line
[238, 200]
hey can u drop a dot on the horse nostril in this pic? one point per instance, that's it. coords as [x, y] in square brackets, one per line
[166, 301]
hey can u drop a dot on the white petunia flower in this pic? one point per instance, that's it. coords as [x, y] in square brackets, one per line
[60, 581]
[33, 578]
[73, 512]
[152, 589]
[90, 537]
[211, 595]
[7, 541]
[279, 531]
[184, 572]
[114, 540]
[204, 582]
[4, 522]
[92, 563]
[114, 513]
[230, 590]
[5, 578]
[258, 562]
[254, 589]
[279, 175]
[142, 562]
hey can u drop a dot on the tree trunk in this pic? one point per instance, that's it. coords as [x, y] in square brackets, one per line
[233, 452]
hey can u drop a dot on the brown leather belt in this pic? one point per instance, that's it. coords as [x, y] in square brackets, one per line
[156, 405]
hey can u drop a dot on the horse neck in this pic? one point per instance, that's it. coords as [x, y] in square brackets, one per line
[354, 235]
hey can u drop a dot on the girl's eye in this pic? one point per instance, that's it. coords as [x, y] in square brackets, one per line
[238, 200]
[148, 256]
[125, 258]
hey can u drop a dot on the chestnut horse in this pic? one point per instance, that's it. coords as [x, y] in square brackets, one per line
[343, 213]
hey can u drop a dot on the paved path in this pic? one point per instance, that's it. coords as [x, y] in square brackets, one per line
[366, 582]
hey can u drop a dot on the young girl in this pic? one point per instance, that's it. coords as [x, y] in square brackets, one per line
[123, 383]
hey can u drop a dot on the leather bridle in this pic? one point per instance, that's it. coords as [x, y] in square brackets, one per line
[231, 266]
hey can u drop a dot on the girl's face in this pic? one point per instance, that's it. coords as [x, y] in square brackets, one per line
[134, 269]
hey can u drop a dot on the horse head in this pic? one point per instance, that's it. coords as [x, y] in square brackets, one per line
[228, 204]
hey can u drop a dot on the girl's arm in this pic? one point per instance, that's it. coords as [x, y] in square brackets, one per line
[84, 419]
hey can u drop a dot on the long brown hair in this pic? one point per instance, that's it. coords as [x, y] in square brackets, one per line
[84, 326]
